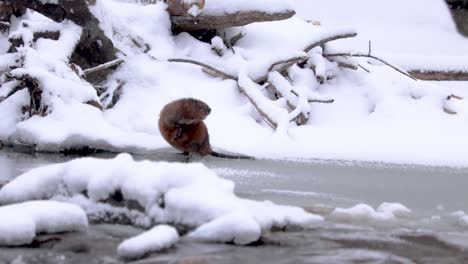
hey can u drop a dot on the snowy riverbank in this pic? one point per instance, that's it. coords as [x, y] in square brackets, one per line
[378, 116]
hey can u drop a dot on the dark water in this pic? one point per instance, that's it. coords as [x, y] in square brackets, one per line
[428, 235]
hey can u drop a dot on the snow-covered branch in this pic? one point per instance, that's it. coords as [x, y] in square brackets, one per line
[329, 38]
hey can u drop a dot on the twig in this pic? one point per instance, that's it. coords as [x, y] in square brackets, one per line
[228, 44]
[236, 38]
[329, 101]
[362, 67]
[372, 57]
[348, 66]
[370, 48]
[454, 96]
[103, 66]
[206, 66]
[332, 38]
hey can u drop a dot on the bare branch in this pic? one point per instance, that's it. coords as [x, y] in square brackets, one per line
[329, 101]
[104, 66]
[372, 57]
[370, 48]
[348, 66]
[206, 66]
[454, 96]
[362, 67]
[267, 119]
[281, 66]
[328, 39]
[285, 64]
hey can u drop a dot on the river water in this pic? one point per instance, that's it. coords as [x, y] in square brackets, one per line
[430, 234]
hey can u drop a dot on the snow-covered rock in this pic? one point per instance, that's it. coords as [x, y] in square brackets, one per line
[20, 223]
[461, 218]
[157, 238]
[189, 195]
[365, 213]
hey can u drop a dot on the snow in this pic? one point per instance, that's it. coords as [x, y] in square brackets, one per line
[380, 116]
[219, 7]
[157, 238]
[242, 230]
[461, 217]
[189, 195]
[23, 221]
[365, 213]
[417, 34]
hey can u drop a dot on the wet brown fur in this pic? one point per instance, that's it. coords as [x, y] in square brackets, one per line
[181, 124]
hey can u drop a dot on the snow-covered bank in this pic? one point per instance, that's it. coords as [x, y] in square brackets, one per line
[377, 116]
[182, 195]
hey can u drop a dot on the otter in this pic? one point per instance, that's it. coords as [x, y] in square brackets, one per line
[181, 125]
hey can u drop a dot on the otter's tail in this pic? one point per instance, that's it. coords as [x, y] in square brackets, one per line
[228, 156]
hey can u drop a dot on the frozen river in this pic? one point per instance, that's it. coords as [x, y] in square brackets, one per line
[430, 234]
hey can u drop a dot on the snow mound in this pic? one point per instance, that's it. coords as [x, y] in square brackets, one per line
[461, 217]
[365, 213]
[158, 238]
[148, 193]
[21, 222]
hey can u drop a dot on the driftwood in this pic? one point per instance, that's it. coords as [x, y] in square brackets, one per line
[94, 47]
[206, 22]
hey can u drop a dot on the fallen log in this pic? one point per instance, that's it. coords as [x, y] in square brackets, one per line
[94, 48]
[207, 22]
[440, 75]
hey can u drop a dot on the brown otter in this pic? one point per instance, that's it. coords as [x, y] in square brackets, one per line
[181, 124]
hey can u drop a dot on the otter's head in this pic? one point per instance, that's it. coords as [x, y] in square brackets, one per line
[200, 106]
